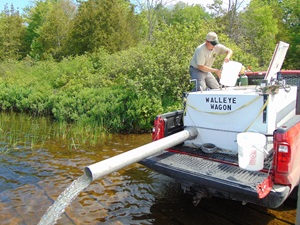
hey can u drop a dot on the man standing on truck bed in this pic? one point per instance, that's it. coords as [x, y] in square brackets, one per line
[203, 59]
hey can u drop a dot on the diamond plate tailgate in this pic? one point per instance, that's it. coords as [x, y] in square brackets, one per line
[202, 167]
[227, 180]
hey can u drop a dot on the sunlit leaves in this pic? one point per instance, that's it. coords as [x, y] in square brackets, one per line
[107, 23]
[12, 30]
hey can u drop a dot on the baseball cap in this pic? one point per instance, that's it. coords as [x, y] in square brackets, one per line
[212, 37]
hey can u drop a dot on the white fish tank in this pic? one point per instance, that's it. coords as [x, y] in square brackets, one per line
[220, 114]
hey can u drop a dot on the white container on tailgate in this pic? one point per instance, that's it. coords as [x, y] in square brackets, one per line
[251, 150]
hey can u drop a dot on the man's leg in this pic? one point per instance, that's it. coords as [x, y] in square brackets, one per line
[200, 77]
[211, 81]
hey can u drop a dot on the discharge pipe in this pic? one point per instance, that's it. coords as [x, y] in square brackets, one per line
[107, 166]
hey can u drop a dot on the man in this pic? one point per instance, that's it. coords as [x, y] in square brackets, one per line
[201, 64]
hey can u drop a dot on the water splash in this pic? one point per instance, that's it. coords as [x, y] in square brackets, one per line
[64, 199]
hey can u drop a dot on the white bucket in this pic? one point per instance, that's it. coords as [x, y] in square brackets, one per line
[230, 73]
[251, 150]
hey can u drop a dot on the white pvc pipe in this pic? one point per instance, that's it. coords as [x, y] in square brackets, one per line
[107, 166]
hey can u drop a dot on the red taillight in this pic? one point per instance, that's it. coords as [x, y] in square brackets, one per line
[154, 133]
[158, 129]
[283, 158]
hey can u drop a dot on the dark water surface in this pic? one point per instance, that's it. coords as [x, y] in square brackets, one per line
[36, 168]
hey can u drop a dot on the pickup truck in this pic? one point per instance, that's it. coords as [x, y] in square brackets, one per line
[206, 173]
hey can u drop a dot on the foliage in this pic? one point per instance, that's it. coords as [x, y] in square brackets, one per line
[291, 15]
[185, 14]
[73, 91]
[35, 18]
[53, 33]
[259, 41]
[12, 32]
[96, 64]
[107, 23]
[49, 25]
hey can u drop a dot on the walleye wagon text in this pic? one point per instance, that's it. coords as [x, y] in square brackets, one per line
[221, 103]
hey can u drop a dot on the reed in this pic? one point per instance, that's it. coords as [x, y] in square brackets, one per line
[20, 130]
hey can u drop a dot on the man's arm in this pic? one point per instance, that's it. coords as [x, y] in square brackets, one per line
[209, 69]
[213, 70]
[228, 55]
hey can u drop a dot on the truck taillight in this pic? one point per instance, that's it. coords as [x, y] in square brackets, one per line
[158, 129]
[155, 131]
[283, 158]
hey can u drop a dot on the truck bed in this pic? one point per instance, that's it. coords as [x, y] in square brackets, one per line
[221, 157]
[217, 172]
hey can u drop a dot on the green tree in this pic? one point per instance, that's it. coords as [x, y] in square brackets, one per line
[35, 17]
[183, 13]
[291, 18]
[104, 23]
[54, 32]
[12, 30]
[49, 25]
[149, 9]
[260, 30]
[228, 16]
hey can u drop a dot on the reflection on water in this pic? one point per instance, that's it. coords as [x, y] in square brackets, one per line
[32, 178]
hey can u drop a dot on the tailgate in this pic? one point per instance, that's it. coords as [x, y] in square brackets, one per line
[224, 180]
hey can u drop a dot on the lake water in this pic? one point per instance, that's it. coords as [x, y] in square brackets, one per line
[37, 165]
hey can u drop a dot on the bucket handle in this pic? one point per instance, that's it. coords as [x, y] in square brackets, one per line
[264, 150]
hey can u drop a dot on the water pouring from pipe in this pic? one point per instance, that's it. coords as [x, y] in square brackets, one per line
[105, 167]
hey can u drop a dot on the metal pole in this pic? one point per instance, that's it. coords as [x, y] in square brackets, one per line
[298, 208]
[105, 167]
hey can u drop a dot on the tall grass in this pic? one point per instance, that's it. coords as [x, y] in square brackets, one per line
[21, 131]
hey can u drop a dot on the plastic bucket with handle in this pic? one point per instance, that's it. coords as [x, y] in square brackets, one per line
[251, 150]
[230, 73]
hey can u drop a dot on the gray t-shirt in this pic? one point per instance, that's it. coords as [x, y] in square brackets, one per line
[206, 57]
